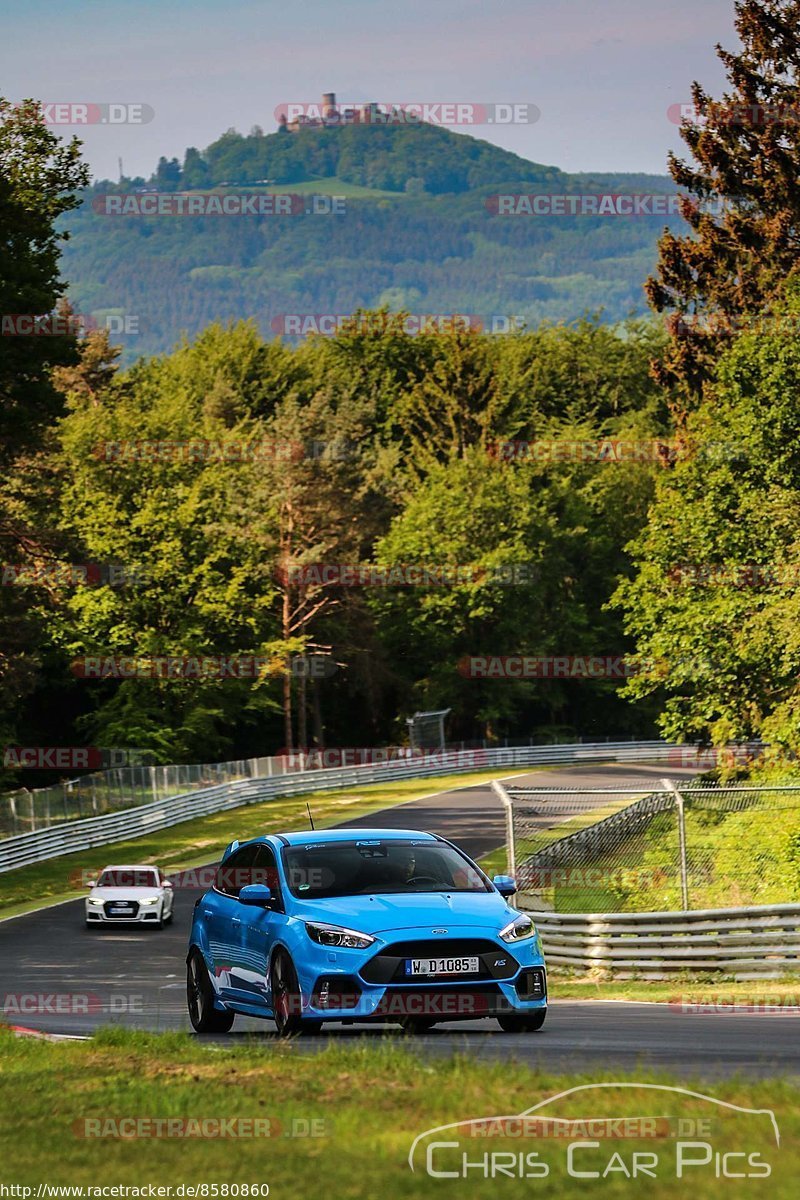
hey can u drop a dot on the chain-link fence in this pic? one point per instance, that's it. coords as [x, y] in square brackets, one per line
[121, 788]
[635, 849]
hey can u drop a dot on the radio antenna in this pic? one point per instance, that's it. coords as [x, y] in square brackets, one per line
[311, 819]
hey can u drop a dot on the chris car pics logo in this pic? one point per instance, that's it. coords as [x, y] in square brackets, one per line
[615, 1131]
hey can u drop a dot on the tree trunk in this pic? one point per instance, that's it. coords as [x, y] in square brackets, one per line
[302, 715]
[287, 712]
[316, 716]
[287, 678]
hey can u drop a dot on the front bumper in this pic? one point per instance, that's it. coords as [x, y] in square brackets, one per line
[371, 985]
[140, 915]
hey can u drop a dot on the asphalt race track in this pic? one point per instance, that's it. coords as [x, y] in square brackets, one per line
[136, 978]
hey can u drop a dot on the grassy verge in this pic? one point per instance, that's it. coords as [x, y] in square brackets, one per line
[683, 989]
[345, 1117]
[194, 843]
[736, 858]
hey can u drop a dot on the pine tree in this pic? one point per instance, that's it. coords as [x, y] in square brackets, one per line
[39, 178]
[743, 201]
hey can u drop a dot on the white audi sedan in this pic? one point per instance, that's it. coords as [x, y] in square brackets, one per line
[130, 895]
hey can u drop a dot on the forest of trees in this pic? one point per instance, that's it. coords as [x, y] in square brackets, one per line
[212, 476]
[206, 487]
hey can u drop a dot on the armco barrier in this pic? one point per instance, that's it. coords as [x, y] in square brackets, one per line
[734, 941]
[72, 836]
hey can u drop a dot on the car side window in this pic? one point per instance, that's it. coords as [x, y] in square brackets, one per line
[235, 873]
[265, 870]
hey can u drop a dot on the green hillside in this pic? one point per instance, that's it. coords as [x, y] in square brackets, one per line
[416, 233]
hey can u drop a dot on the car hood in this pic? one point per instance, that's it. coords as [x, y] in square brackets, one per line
[125, 893]
[389, 913]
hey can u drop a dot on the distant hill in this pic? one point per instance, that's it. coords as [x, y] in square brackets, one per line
[418, 232]
[387, 158]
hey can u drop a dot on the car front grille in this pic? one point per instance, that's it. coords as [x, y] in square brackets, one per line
[126, 909]
[388, 965]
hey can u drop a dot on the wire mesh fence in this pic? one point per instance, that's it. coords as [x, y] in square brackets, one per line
[121, 788]
[636, 849]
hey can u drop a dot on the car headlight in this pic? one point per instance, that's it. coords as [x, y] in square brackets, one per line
[151, 900]
[518, 930]
[92, 900]
[335, 935]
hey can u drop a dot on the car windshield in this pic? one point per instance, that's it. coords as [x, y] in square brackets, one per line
[375, 867]
[122, 877]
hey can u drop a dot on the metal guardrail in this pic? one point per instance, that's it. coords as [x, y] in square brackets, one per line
[734, 941]
[119, 788]
[73, 836]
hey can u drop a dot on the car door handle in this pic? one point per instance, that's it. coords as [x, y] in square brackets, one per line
[235, 922]
[207, 912]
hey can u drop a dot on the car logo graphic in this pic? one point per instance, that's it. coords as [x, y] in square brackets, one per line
[500, 962]
[438, 931]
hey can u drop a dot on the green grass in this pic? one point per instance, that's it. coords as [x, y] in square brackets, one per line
[330, 186]
[735, 859]
[195, 843]
[685, 987]
[366, 1104]
[495, 862]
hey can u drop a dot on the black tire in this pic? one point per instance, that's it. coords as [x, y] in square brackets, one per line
[287, 1000]
[168, 920]
[416, 1025]
[523, 1024]
[200, 999]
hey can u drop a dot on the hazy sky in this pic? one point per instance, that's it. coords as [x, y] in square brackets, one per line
[602, 72]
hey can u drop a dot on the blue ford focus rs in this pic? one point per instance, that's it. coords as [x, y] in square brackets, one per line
[361, 925]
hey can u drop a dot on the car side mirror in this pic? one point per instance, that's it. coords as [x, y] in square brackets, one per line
[505, 885]
[92, 883]
[256, 894]
[167, 883]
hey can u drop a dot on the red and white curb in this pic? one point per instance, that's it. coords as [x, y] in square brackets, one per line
[23, 1031]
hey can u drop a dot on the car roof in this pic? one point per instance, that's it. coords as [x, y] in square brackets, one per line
[356, 834]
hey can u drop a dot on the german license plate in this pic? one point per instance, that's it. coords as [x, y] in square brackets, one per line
[442, 966]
